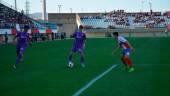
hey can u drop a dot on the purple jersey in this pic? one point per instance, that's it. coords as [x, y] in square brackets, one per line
[22, 38]
[79, 40]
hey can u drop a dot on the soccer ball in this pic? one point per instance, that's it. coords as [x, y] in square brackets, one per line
[70, 65]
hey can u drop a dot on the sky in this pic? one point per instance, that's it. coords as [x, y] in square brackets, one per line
[86, 6]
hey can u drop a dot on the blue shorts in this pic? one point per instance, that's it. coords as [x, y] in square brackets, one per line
[80, 50]
[20, 48]
[126, 52]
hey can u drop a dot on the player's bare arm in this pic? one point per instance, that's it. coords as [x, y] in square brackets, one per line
[131, 47]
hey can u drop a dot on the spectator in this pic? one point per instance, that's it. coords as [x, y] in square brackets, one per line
[6, 37]
[52, 35]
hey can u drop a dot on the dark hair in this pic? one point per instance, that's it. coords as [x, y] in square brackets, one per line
[26, 27]
[115, 33]
[81, 27]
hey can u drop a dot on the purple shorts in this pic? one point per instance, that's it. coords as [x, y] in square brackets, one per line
[80, 50]
[20, 48]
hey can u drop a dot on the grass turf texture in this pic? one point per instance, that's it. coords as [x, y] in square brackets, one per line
[44, 70]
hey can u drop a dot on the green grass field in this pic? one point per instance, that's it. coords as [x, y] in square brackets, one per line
[44, 70]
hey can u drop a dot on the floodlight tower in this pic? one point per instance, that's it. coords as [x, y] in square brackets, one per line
[142, 2]
[44, 14]
[82, 10]
[59, 8]
[71, 10]
[27, 7]
[15, 4]
[150, 5]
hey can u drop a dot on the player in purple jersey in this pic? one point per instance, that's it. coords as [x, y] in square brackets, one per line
[78, 45]
[22, 40]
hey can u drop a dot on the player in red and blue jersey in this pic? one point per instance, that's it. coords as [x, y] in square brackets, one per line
[126, 49]
[78, 45]
[22, 41]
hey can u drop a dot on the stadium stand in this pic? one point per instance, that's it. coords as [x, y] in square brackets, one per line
[9, 18]
[121, 19]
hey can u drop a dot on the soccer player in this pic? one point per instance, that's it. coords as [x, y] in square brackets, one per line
[126, 49]
[22, 40]
[78, 45]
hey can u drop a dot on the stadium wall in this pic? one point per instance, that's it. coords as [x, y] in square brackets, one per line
[139, 32]
[67, 21]
[9, 31]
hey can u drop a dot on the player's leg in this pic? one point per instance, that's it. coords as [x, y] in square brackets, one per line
[71, 55]
[129, 63]
[127, 60]
[124, 53]
[17, 50]
[19, 57]
[123, 61]
[22, 49]
[81, 57]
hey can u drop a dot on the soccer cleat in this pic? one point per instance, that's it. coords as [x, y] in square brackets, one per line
[131, 69]
[14, 67]
[82, 65]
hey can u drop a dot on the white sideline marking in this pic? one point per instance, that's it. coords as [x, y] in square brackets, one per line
[93, 81]
[152, 64]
